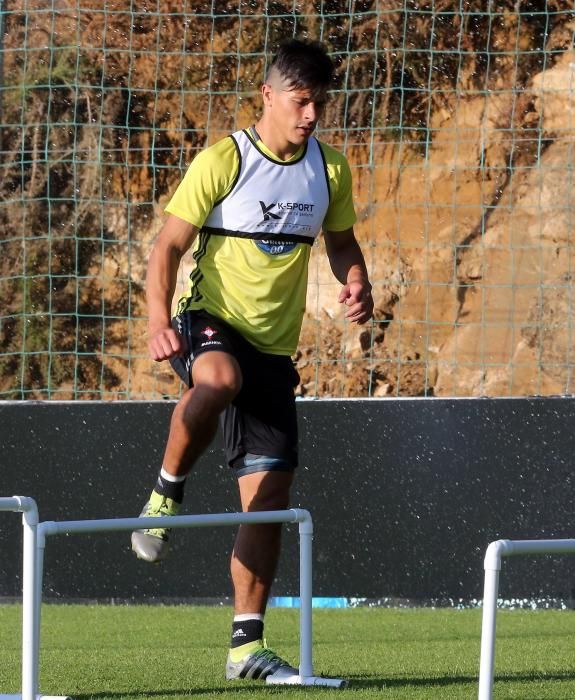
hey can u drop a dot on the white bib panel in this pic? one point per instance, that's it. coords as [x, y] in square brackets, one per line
[276, 204]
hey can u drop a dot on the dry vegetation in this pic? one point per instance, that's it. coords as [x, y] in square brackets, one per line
[103, 108]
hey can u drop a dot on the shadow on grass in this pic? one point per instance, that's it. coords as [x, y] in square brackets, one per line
[541, 676]
[361, 682]
[355, 683]
[171, 693]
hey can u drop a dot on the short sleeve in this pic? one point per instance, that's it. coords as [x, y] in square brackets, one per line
[208, 179]
[341, 212]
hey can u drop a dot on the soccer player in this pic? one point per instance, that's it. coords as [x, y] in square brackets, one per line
[253, 203]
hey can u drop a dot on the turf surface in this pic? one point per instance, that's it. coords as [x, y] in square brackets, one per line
[165, 652]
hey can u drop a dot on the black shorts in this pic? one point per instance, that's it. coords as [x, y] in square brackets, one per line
[260, 426]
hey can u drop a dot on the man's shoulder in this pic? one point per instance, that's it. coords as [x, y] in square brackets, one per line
[208, 179]
[216, 166]
[223, 148]
[332, 155]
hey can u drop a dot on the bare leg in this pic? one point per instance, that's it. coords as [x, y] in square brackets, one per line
[217, 380]
[253, 567]
[257, 547]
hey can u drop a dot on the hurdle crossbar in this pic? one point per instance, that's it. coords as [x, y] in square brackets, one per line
[293, 515]
[492, 565]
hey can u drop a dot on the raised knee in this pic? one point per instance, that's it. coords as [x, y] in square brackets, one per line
[221, 390]
[216, 396]
[218, 382]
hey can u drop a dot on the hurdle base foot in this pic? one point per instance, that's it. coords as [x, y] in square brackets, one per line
[307, 680]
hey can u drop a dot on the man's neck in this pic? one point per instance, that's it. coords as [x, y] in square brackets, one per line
[282, 150]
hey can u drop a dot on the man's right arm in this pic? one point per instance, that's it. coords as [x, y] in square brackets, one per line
[175, 238]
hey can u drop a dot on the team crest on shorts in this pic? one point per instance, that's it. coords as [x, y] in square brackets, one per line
[209, 333]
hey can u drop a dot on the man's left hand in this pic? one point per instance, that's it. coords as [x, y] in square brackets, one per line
[357, 296]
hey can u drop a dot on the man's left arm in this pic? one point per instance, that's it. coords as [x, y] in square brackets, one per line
[348, 266]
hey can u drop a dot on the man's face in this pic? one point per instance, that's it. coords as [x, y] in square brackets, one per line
[295, 112]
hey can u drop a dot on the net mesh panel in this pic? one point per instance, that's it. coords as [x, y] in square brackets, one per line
[456, 118]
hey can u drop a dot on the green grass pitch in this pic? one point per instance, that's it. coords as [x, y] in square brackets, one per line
[168, 652]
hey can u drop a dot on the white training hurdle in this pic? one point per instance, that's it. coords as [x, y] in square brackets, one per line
[27, 506]
[492, 566]
[34, 544]
[35, 534]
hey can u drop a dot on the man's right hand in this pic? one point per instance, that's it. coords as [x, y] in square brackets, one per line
[165, 343]
[172, 242]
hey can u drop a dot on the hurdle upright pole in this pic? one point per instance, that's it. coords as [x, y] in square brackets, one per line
[305, 593]
[30, 603]
[493, 555]
[492, 566]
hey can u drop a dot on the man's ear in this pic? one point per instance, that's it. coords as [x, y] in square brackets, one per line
[267, 91]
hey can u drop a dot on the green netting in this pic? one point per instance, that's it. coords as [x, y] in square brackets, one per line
[457, 118]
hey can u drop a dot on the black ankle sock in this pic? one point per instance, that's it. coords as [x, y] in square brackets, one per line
[246, 631]
[170, 489]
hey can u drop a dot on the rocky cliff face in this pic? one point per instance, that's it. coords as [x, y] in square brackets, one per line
[470, 247]
[469, 243]
[458, 124]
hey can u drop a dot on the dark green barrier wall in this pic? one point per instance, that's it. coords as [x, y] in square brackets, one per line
[405, 495]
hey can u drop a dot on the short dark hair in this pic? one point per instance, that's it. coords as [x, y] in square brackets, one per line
[304, 64]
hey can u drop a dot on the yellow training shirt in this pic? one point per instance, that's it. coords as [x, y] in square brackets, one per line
[258, 217]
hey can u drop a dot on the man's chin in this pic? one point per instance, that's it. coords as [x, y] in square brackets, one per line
[301, 137]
